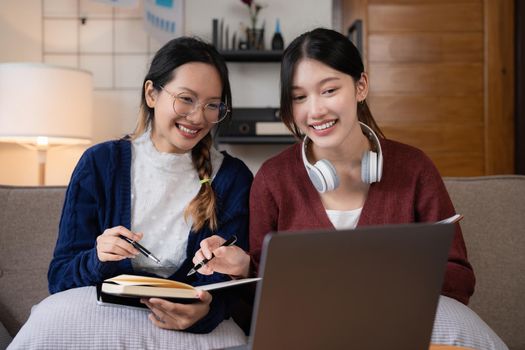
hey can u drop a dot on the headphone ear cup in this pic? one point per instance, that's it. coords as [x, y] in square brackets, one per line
[365, 168]
[373, 166]
[372, 162]
[317, 178]
[379, 166]
[327, 170]
[369, 167]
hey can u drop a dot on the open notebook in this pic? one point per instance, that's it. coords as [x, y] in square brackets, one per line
[126, 290]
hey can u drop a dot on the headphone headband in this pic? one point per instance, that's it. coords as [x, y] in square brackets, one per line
[323, 174]
[375, 140]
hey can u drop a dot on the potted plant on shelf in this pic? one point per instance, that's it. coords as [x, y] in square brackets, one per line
[254, 35]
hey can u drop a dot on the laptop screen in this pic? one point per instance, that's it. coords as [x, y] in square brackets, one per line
[368, 288]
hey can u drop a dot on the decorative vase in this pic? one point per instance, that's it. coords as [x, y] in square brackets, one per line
[277, 40]
[255, 38]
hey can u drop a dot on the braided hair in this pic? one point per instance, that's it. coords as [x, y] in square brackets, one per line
[172, 55]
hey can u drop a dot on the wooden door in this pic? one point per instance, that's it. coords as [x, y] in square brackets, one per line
[441, 78]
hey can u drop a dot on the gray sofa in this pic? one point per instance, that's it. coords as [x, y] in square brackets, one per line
[494, 230]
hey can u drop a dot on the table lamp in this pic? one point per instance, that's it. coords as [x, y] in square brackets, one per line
[44, 106]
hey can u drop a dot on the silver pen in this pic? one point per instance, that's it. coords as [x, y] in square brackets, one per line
[227, 243]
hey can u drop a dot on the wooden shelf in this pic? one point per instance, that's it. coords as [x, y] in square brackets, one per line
[252, 55]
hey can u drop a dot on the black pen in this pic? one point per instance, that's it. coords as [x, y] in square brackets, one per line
[141, 249]
[228, 242]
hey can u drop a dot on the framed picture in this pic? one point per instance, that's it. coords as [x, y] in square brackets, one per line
[164, 19]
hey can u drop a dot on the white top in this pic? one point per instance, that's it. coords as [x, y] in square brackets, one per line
[162, 185]
[344, 219]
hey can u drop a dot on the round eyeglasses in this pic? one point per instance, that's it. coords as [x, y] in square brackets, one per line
[185, 104]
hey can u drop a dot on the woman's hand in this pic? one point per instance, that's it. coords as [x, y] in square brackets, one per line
[230, 260]
[110, 247]
[168, 315]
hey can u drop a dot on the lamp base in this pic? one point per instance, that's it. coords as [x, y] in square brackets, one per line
[42, 155]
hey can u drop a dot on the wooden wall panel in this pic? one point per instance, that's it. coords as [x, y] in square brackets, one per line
[440, 78]
[417, 2]
[427, 109]
[459, 164]
[439, 17]
[499, 88]
[439, 138]
[426, 47]
[426, 68]
[448, 79]
[354, 10]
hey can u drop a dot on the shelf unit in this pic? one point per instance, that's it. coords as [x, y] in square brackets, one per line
[252, 56]
[254, 126]
[255, 56]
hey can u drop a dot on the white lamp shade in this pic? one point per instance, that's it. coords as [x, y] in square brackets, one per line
[45, 101]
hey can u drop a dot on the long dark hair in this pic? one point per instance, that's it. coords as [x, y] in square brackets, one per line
[332, 49]
[172, 55]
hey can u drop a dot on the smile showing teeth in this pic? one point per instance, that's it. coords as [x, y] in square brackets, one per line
[186, 130]
[323, 126]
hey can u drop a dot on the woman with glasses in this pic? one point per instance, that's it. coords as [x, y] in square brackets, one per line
[164, 186]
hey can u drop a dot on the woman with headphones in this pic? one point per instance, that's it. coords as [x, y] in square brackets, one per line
[344, 173]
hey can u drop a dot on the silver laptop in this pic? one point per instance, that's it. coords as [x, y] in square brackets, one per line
[369, 288]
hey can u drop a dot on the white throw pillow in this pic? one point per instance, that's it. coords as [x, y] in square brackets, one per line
[73, 319]
[456, 324]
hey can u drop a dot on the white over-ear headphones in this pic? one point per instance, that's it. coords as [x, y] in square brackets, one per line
[323, 174]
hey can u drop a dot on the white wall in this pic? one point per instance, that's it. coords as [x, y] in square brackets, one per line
[30, 32]
[20, 30]
[20, 40]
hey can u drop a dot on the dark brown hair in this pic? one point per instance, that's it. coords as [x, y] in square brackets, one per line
[332, 49]
[172, 55]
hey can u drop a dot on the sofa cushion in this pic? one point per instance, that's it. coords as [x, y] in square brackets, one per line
[28, 231]
[5, 338]
[494, 232]
[73, 319]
